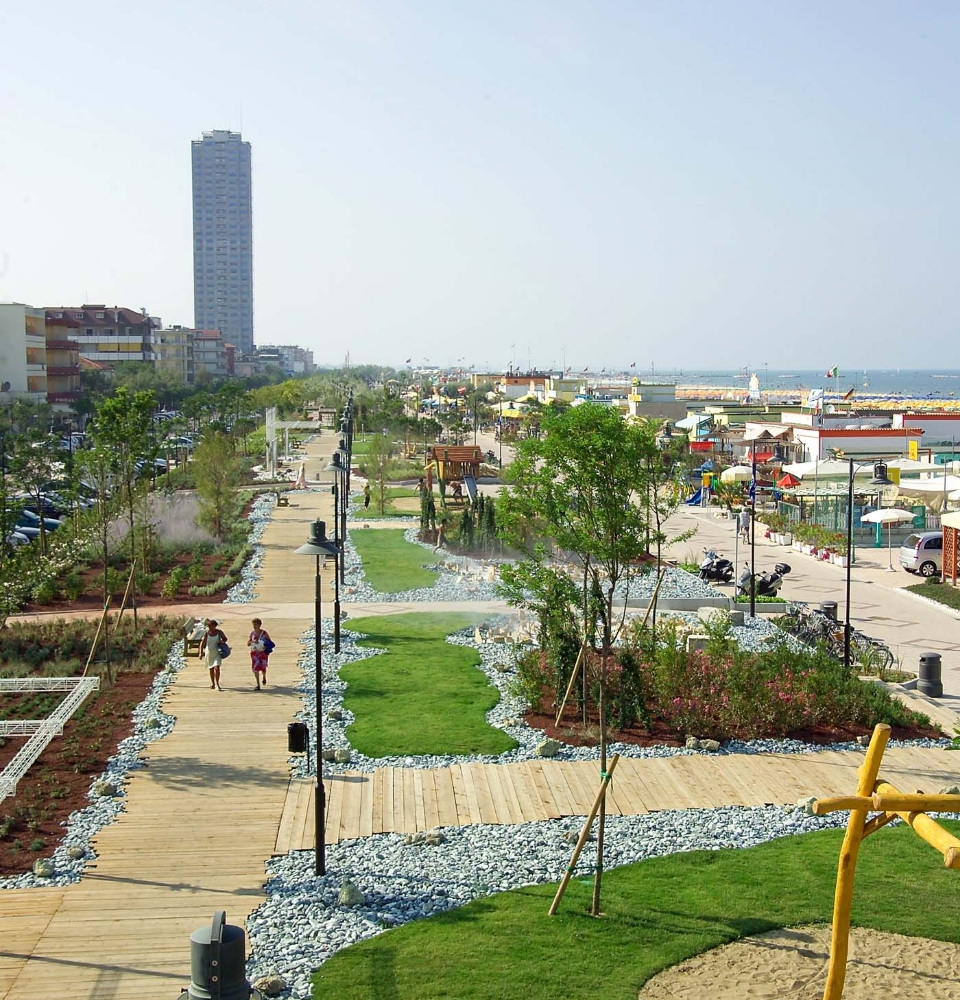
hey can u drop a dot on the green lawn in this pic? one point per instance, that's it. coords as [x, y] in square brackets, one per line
[942, 593]
[410, 509]
[656, 914]
[424, 695]
[391, 564]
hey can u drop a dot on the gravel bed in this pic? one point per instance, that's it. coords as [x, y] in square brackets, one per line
[496, 661]
[458, 579]
[259, 517]
[150, 723]
[302, 924]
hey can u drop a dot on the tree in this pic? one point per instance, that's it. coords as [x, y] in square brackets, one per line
[376, 467]
[218, 476]
[33, 464]
[94, 466]
[573, 491]
[123, 426]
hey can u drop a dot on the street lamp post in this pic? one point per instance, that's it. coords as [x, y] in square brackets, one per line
[880, 478]
[318, 545]
[753, 533]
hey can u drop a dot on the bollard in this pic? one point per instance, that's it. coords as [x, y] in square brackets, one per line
[218, 957]
[928, 678]
[829, 608]
[297, 736]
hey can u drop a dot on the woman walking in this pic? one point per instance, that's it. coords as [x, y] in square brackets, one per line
[212, 645]
[261, 645]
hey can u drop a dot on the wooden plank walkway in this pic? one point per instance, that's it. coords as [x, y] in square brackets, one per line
[398, 800]
[201, 818]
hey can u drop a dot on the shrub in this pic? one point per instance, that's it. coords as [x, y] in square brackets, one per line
[73, 586]
[534, 680]
[171, 586]
[45, 591]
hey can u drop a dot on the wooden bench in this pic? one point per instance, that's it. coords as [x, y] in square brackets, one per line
[283, 500]
[193, 631]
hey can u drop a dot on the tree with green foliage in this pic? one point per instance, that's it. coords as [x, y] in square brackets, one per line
[375, 467]
[33, 464]
[124, 427]
[94, 465]
[218, 473]
[573, 491]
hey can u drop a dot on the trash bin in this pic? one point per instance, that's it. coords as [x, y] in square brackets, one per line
[928, 678]
[217, 961]
[297, 736]
[829, 608]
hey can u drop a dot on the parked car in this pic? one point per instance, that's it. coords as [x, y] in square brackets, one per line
[29, 519]
[922, 552]
[16, 538]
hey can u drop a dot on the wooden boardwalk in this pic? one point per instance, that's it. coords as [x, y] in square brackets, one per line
[405, 800]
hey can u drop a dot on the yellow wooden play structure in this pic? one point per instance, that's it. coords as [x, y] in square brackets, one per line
[879, 796]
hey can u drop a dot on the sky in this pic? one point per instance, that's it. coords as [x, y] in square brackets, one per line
[530, 182]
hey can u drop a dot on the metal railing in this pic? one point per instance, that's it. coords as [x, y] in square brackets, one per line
[42, 731]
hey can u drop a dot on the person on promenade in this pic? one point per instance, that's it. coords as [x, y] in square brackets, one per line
[744, 524]
[211, 646]
[366, 496]
[260, 645]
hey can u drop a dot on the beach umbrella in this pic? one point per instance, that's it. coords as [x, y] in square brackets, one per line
[888, 516]
[788, 482]
[737, 474]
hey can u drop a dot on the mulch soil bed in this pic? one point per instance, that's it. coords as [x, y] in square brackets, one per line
[573, 731]
[31, 821]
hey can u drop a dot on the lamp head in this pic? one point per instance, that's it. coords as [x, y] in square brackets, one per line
[318, 544]
[880, 477]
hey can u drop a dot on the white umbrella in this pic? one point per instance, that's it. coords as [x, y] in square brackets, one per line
[888, 516]
[737, 474]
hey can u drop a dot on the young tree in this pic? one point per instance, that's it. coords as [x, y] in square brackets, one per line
[94, 466]
[376, 467]
[32, 466]
[218, 476]
[574, 491]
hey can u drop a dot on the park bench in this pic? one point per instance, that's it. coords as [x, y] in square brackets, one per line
[283, 500]
[193, 630]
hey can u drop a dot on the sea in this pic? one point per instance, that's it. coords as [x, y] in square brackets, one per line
[911, 383]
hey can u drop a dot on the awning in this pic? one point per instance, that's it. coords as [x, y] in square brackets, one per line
[701, 446]
[765, 433]
[693, 420]
[765, 456]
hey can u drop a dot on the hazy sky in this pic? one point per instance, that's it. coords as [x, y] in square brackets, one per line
[696, 184]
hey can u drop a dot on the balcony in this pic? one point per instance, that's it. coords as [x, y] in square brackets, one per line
[63, 370]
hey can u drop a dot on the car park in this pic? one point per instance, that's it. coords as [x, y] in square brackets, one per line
[922, 552]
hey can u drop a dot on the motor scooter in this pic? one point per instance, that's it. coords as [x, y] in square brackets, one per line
[765, 584]
[714, 567]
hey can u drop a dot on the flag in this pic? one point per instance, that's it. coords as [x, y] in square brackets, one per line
[408, 361]
[567, 372]
[752, 491]
[633, 364]
[833, 372]
[585, 370]
[850, 392]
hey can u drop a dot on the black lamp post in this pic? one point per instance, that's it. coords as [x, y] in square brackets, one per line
[318, 545]
[880, 478]
[339, 540]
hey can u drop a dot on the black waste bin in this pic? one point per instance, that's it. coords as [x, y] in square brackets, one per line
[218, 958]
[928, 679]
[297, 736]
[829, 608]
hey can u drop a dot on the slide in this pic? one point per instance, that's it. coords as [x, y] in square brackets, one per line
[471, 485]
[696, 499]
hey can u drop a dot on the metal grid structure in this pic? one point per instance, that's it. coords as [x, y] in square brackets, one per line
[41, 731]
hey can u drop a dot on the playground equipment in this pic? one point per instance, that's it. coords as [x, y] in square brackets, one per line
[456, 466]
[890, 804]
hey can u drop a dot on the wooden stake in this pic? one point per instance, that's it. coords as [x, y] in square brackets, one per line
[573, 677]
[96, 638]
[846, 869]
[126, 592]
[584, 833]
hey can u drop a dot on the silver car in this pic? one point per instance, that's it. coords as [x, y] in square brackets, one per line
[922, 552]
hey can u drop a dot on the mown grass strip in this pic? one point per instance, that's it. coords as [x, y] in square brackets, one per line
[655, 914]
[423, 695]
[391, 564]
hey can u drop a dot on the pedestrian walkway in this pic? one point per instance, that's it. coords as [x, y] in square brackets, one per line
[407, 800]
[215, 799]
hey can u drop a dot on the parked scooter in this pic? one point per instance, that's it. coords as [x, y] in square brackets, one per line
[766, 584]
[714, 567]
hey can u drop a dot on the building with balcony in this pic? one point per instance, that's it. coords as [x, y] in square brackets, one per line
[107, 335]
[23, 353]
[212, 355]
[63, 364]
